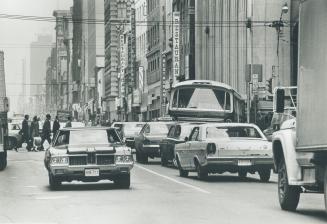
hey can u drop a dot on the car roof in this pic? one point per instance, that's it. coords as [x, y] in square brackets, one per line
[229, 125]
[86, 128]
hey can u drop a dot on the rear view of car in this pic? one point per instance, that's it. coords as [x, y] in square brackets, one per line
[89, 155]
[130, 130]
[147, 142]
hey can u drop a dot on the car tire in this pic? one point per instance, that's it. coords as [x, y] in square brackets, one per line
[54, 182]
[201, 172]
[325, 189]
[164, 161]
[3, 160]
[264, 175]
[182, 172]
[242, 174]
[289, 196]
[123, 181]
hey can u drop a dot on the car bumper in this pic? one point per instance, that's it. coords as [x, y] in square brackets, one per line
[233, 164]
[70, 173]
[151, 150]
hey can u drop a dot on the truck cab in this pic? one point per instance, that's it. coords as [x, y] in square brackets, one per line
[300, 146]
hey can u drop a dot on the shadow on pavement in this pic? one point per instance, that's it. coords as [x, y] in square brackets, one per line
[318, 214]
[227, 179]
[86, 187]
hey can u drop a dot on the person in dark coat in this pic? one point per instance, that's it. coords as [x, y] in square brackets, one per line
[35, 130]
[26, 132]
[55, 126]
[69, 123]
[46, 131]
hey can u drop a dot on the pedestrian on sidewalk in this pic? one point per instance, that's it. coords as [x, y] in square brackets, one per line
[69, 123]
[26, 132]
[46, 131]
[55, 127]
[35, 132]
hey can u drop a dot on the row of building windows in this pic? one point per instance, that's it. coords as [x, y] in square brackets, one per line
[153, 35]
[152, 4]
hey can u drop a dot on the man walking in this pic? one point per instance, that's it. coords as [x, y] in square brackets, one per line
[34, 131]
[46, 131]
[26, 132]
[55, 127]
[69, 123]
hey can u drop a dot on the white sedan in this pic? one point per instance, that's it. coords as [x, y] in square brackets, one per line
[225, 147]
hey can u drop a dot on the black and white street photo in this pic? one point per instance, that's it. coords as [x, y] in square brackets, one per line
[163, 111]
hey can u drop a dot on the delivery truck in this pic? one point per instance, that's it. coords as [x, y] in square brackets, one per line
[300, 146]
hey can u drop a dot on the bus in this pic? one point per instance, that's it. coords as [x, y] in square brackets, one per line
[206, 100]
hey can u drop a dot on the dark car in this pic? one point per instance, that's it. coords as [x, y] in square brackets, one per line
[147, 142]
[89, 155]
[176, 135]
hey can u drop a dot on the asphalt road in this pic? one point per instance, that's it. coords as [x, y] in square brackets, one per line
[157, 195]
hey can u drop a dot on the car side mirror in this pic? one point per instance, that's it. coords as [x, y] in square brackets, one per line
[186, 139]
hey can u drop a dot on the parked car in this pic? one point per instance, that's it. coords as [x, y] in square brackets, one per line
[88, 154]
[147, 142]
[130, 130]
[14, 136]
[176, 135]
[225, 147]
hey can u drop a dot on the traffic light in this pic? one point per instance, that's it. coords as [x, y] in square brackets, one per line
[269, 85]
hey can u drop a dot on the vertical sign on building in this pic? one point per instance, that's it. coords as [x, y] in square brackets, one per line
[141, 77]
[122, 64]
[176, 46]
[163, 75]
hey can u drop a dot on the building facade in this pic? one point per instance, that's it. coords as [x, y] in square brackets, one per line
[117, 17]
[63, 58]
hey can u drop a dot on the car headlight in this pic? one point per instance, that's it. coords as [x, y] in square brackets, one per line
[124, 159]
[59, 160]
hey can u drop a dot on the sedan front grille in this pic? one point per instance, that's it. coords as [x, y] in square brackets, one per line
[105, 159]
[77, 160]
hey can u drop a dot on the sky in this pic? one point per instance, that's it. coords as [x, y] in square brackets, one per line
[17, 35]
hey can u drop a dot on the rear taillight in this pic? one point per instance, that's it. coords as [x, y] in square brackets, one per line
[211, 148]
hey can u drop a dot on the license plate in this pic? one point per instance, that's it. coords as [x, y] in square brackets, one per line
[92, 172]
[244, 162]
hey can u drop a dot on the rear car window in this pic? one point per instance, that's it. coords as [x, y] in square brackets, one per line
[232, 132]
[87, 137]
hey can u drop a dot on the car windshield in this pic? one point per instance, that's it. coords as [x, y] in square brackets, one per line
[158, 129]
[233, 132]
[202, 98]
[87, 137]
[185, 131]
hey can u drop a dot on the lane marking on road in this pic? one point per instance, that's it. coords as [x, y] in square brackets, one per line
[51, 197]
[31, 186]
[173, 180]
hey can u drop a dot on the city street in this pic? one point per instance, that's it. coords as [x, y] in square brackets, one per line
[157, 195]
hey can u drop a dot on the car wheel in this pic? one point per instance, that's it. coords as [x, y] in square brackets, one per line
[201, 171]
[123, 181]
[242, 174]
[53, 182]
[164, 160]
[182, 172]
[3, 160]
[289, 196]
[264, 175]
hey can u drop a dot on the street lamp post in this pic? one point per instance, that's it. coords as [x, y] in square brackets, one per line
[278, 25]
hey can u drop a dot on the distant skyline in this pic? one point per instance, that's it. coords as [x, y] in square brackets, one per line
[17, 35]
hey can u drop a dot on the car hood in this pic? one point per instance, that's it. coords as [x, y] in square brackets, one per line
[155, 137]
[90, 149]
[131, 133]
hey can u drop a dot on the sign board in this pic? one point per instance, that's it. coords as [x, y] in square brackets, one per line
[141, 77]
[122, 55]
[63, 115]
[176, 46]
